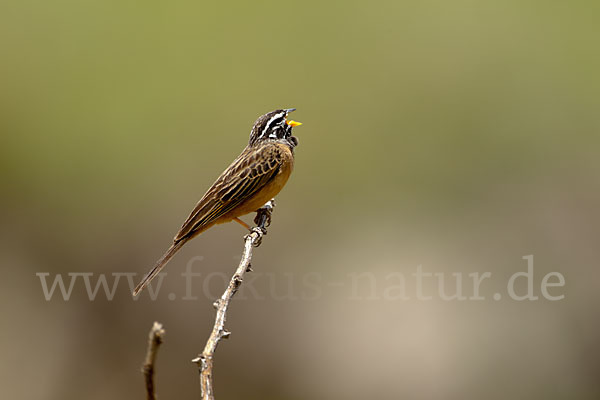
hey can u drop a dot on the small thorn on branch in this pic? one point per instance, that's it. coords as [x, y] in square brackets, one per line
[237, 280]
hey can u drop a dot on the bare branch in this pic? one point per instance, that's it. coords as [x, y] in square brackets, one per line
[205, 360]
[155, 339]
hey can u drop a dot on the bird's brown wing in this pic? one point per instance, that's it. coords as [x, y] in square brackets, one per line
[248, 173]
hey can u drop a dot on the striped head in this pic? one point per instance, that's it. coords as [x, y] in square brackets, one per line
[274, 126]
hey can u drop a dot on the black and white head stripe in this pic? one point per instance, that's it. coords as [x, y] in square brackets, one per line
[271, 126]
[270, 129]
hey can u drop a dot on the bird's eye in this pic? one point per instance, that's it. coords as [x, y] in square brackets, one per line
[276, 121]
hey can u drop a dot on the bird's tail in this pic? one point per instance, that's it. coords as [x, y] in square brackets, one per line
[160, 264]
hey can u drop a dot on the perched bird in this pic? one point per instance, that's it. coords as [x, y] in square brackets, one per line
[252, 179]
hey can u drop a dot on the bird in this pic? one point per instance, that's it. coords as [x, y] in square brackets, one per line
[253, 178]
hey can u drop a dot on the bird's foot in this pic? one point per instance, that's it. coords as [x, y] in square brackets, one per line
[263, 214]
[257, 232]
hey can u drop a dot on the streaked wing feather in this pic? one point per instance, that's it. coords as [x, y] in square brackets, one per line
[249, 173]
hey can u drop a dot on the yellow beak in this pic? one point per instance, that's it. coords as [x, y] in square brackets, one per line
[293, 124]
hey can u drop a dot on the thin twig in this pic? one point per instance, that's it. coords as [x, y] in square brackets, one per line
[155, 339]
[205, 360]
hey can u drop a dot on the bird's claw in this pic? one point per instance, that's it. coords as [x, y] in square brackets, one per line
[263, 214]
[260, 232]
[267, 218]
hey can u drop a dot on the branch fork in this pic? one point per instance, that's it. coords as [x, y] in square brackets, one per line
[204, 361]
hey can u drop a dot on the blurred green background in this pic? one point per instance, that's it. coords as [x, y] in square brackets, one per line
[456, 135]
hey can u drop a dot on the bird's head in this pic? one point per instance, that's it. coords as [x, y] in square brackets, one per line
[274, 126]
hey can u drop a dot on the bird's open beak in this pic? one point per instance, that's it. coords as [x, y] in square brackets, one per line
[293, 124]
